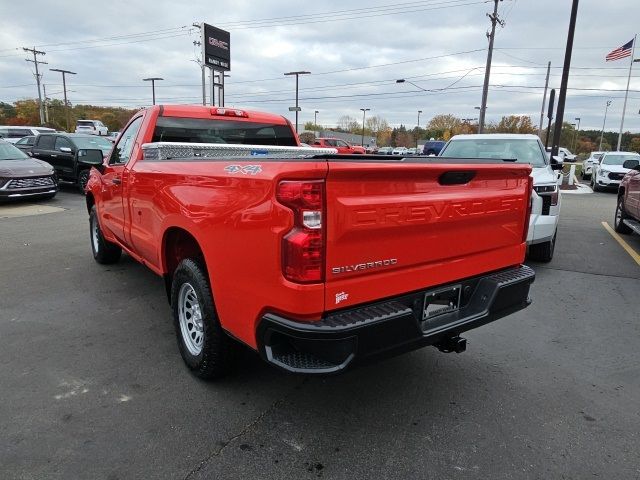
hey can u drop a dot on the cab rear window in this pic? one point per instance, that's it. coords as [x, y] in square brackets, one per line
[198, 130]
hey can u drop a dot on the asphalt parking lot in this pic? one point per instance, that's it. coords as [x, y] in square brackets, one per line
[92, 384]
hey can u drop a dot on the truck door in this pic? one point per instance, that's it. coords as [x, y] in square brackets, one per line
[63, 157]
[112, 215]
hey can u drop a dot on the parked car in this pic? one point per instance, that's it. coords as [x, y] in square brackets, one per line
[519, 148]
[64, 151]
[352, 256]
[400, 151]
[113, 136]
[608, 173]
[564, 154]
[13, 134]
[433, 147]
[24, 177]
[627, 218]
[26, 143]
[384, 150]
[340, 145]
[412, 151]
[92, 127]
[587, 165]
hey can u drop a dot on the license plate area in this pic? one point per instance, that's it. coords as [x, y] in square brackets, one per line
[440, 302]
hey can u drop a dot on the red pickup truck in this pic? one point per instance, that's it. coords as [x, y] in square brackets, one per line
[340, 145]
[627, 218]
[315, 260]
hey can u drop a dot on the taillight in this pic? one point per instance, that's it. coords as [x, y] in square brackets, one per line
[527, 216]
[303, 246]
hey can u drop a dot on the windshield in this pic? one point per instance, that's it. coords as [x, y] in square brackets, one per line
[596, 156]
[93, 143]
[9, 152]
[197, 130]
[618, 159]
[522, 150]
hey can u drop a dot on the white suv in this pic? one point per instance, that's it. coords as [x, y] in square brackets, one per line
[609, 171]
[12, 134]
[546, 199]
[92, 127]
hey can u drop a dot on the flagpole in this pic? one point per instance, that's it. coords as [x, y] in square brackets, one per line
[624, 108]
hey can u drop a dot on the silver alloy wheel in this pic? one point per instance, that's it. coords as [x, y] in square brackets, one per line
[190, 317]
[94, 234]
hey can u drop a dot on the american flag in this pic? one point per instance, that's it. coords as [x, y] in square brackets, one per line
[622, 52]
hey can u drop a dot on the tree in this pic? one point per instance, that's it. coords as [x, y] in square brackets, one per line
[634, 145]
[307, 137]
[444, 122]
[312, 126]
[513, 124]
[345, 122]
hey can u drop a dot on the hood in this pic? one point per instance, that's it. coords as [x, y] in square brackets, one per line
[543, 175]
[614, 168]
[28, 167]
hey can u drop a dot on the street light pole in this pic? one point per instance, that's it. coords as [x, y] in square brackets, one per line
[153, 86]
[418, 132]
[364, 112]
[315, 119]
[64, 88]
[575, 138]
[297, 75]
[604, 123]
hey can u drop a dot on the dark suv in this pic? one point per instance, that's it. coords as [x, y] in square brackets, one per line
[62, 150]
[433, 147]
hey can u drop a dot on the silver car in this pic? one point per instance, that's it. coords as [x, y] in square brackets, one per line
[589, 163]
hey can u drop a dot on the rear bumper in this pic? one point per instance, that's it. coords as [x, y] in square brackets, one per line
[391, 326]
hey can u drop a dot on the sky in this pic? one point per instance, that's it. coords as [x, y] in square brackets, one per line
[355, 52]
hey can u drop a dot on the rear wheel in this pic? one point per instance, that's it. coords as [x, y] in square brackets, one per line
[204, 346]
[543, 252]
[618, 223]
[104, 252]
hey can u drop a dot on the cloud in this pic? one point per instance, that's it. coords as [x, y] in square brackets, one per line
[155, 38]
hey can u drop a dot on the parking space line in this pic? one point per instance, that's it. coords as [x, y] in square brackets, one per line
[622, 243]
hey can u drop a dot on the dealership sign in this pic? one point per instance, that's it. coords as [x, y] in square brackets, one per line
[217, 48]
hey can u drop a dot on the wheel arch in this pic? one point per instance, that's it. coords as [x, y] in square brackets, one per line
[178, 244]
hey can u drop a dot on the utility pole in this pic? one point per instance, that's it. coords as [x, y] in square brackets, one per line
[64, 88]
[624, 107]
[565, 79]
[46, 109]
[364, 113]
[199, 43]
[35, 61]
[297, 74]
[153, 86]
[487, 73]
[544, 100]
[552, 99]
[604, 123]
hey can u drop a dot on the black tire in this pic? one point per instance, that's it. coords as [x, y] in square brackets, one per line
[83, 178]
[543, 252]
[594, 185]
[618, 225]
[215, 356]
[104, 252]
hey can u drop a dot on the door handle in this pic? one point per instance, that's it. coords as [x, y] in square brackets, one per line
[116, 181]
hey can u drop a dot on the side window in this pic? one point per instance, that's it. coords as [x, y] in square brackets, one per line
[331, 143]
[46, 142]
[18, 132]
[122, 150]
[342, 143]
[62, 142]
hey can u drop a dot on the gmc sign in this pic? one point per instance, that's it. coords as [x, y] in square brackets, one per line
[217, 48]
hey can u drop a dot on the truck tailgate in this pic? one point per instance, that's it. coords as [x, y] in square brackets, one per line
[398, 226]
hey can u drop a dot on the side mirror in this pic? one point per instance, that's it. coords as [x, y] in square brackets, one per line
[631, 164]
[65, 149]
[91, 158]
